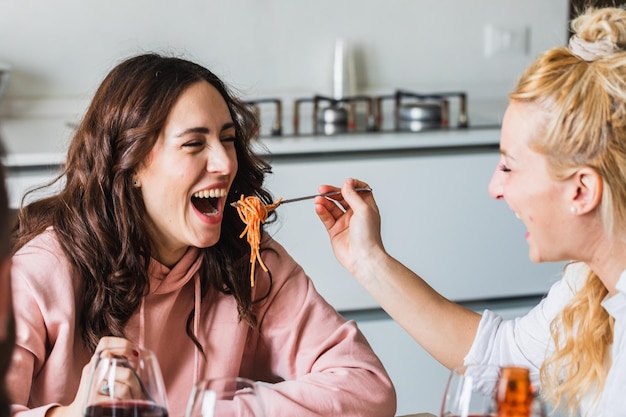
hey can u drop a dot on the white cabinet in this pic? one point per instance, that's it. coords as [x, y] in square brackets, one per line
[19, 180]
[437, 218]
[418, 378]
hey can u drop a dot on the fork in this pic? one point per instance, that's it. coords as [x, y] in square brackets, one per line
[308, 197]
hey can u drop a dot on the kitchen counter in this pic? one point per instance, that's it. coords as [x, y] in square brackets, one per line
[35, 141]
[43, 141]
[380, 141]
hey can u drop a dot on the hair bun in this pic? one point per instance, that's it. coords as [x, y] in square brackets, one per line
[591, 51]
[598, 32]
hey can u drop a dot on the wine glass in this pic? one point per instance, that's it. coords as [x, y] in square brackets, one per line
[126, 382]
[470, 391]
[225, 397]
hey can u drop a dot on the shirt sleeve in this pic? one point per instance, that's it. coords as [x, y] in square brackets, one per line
[318, 363]
[40, 376]
[524, 340]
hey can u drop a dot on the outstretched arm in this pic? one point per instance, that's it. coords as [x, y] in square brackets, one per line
[445, 329]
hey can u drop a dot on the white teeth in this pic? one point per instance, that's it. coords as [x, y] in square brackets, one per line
[213, 193]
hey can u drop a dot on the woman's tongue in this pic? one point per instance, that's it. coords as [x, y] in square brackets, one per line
[205, 205]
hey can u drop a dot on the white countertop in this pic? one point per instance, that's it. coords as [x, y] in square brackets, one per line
[43, 141]
[359, 142]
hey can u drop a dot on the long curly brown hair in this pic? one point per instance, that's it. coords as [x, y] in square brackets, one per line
[99, 217]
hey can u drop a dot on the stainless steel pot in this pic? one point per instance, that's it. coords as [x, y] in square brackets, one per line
[333, 114]
[425, 112]
[333, 120]
[413, 117]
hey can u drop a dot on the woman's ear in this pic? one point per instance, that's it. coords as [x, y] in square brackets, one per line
[588, 194]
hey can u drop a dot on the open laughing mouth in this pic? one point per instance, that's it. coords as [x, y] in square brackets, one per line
[207, 202]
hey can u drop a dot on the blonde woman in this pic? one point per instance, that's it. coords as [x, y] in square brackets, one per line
[562, 172]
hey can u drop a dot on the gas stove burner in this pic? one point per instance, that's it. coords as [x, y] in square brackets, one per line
[277, 126]
[410, 112]
[338, 117]
[414, 112]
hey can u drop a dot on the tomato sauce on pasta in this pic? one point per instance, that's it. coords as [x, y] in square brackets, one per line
[253, 213]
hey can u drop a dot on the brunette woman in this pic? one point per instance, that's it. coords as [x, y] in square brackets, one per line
[142, 244]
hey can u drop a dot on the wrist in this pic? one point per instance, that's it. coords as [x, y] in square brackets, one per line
[370, 266]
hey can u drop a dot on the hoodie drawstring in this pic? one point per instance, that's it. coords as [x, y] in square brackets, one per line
[196, 326]
[142, 323]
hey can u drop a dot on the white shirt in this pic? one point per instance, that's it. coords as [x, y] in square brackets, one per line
[526, 340]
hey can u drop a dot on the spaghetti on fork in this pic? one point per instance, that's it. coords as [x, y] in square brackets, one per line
[253, 213]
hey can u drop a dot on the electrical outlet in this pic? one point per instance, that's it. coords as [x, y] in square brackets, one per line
[506, 41]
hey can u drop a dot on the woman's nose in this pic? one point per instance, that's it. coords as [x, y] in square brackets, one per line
[219, 160]
[496, 189]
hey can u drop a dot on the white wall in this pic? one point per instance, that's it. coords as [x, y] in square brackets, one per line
[63, 48]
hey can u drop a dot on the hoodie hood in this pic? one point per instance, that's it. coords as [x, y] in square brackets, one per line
[164, 280]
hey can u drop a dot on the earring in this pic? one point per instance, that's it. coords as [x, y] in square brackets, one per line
[135, 183]
[572, 210]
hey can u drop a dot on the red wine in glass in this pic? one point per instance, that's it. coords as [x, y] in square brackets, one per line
[125, 381]
[125, 409]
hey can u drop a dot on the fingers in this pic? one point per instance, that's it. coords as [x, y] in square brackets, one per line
[114, 361]
[324, 211]
[351, 184]
[115, 373]
[110, 346]
[337, 205]
[124, 386]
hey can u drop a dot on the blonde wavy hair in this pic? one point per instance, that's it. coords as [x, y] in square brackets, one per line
[585, 100]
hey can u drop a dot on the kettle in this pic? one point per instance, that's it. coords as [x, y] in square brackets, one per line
[344, 74]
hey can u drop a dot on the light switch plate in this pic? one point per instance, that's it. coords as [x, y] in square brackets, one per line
[506, 40]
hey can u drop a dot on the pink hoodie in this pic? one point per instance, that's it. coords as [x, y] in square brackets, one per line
[317, 363]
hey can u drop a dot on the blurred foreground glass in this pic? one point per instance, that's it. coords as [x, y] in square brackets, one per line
[470, 391]
[488, 390]
[126, 382]
[225, 397]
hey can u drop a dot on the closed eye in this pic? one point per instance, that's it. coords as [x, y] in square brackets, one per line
[504, 168]
[193, 144]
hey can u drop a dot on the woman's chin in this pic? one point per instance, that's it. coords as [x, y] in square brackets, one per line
[207, 241]
[534, 255]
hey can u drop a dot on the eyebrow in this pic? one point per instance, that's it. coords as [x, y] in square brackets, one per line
[204, 130]
[507, 155]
